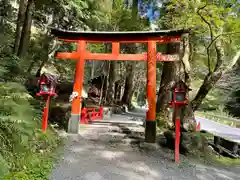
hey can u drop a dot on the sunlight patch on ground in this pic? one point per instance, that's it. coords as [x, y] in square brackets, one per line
[109, 154]
[71, 160]
[93, 175]
[224, 173]
[140, 167]
[79, 149]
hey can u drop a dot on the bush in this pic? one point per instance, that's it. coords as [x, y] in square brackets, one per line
[25, 152]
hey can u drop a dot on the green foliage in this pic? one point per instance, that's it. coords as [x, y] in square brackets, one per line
[24, 149]
[229, 162]
[210, 21]
[220, 115]
[11, 68]
[161, 122]
[38, 163]
[212, 100]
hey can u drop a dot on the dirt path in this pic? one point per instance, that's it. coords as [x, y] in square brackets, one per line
[102, 153]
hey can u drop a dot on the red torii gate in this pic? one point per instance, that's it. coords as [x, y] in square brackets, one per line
[151, 38]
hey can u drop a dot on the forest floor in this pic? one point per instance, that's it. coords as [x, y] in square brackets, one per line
[103, 152]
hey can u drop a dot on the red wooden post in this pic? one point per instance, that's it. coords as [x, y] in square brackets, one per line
[198, 128]
[150, 129]
[84, 116]
[116, 48]
[177, 134]
[45, 114]
[73, 125]
[101, 112]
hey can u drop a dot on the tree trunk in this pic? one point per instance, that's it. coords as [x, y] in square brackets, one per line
[20, 21]
[138, 92]
[48, 48]
[116, 91]
[186, 54]
[167, 82]
[29, 70]
[4, 13]
[117, 94]
[208, 83]
[170, 72]
[26, 30]
[188, 122]
[92, 69]
[101, 91]
[129, 84]
[111, 83]
[168, 78]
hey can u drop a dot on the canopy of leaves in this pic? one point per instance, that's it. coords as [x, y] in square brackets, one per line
[209, 21]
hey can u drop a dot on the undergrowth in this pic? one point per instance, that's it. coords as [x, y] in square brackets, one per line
[25, 152]
[210, 157]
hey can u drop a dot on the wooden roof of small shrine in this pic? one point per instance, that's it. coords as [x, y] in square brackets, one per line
[181, 84]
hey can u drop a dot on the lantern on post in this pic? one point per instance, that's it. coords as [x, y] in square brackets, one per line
[178, 100]
[47, 87]
[179, 95]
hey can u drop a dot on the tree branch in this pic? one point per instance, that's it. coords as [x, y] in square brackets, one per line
[204, 19]
[234, 61]
[208, 57]
[213, 40]
[185, 57]
[223, 34]
[211, 34]
[54, 48]
[220, 54]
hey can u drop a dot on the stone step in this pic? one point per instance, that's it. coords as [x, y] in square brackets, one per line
[112, 128]
[118, 122]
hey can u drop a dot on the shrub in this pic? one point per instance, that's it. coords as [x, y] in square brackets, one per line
[23, 147]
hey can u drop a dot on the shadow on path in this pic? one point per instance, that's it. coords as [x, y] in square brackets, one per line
[103, 153]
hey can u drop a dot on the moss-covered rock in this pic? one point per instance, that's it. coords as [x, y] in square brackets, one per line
[60, 114]
[190, 143]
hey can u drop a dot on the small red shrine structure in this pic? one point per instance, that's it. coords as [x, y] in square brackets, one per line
[47, 85]
[91, 114]
[151, 57]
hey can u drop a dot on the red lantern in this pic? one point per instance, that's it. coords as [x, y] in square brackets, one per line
[179, 93]
[178, 97]
[47, 85]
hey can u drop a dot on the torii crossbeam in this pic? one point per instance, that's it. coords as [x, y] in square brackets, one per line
[151, 57]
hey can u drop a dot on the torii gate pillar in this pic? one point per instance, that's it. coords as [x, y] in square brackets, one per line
[73, 124]
[150, 129]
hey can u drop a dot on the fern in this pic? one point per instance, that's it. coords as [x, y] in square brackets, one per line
[20, 137]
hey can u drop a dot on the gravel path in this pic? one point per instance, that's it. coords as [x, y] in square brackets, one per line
[105, 153]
